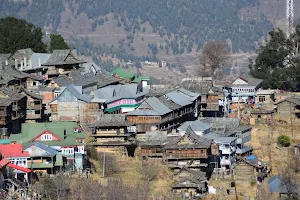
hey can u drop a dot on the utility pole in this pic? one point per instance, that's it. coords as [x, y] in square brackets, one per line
[291, 118]
[270, 142]
[103, 168]
[238, 105]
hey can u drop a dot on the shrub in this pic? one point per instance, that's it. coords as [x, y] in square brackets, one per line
[283, 141]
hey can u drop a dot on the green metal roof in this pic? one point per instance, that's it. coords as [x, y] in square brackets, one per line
[31, 130]
[4, 141]
[139, 79]
[123, 73]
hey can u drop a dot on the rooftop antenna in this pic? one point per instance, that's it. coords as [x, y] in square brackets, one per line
[289, 17]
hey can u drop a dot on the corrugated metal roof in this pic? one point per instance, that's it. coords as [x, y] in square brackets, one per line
[49, 150]
[178, 98]
[43, 57]
[77, 92]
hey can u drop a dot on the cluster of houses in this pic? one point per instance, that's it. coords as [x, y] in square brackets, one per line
[50, 103]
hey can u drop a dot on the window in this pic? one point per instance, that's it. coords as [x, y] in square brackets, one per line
[56, 93]
[261, 98]
[34, 83]
[46, 137]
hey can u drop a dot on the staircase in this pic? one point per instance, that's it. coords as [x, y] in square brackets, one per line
[244, 173]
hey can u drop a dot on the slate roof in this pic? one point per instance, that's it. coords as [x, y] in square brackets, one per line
[198, 141]
[225, 126]
[50, 151]
[9, 73]
[23, 53]
[170, 104]
[31, 130]
[157, 108]
[115, 120]
[13, 95]
[199, 175]
[196, 125]
[115, 92]
[4, 58]
[62, 81]
[193, 183]
[250, 79]
[91, 65]
[33, 94]
[123, 73]
[293, 99]
[157, 92]
[62, 57]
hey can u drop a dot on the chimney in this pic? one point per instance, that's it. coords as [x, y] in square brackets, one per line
[39, 62]
[16, 63]
[6, 62]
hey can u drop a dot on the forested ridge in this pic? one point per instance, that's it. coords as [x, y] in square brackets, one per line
[185, 24]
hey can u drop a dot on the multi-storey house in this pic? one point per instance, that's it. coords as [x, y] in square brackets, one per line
[190, 150]
[113, 132]
[18, 159]
[165, 112]
[61, 62]
[72, 105]
[119, 98]
[213, 99]
[43, 158]
[12, 109]
[244, 88]
[34, 109]
[30, 62]
[66, 137]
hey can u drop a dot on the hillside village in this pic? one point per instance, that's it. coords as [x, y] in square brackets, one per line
[56, 109]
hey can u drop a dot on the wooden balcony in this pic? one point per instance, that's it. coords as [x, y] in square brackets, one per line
[33, 116]
[34, 107]
[186, 156]
[16, 107]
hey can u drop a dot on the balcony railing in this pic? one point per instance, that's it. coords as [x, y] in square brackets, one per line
[228, 150]
[40, 165]
[175, 156]
[244, 150]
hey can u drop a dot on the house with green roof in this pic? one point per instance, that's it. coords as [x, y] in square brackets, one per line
[144, 80]
[122, 73]
[66, 137]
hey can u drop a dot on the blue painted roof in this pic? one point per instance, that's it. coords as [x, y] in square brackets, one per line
[50, 150]
[276, 185]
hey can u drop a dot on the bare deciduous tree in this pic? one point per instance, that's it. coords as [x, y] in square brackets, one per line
[214, 56]
[110, 165]
[149, 170]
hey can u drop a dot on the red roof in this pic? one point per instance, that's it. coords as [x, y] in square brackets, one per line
[13, 150]
[23, 169]
[4, 162]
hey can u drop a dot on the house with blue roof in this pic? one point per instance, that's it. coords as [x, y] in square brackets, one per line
[276, 185]
[44, 158]
[72, 105]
